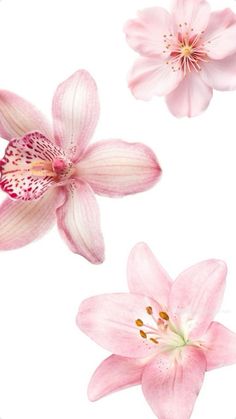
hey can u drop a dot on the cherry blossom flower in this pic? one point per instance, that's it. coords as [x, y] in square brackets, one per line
[185, 54]
[53, 174]
[162, 335]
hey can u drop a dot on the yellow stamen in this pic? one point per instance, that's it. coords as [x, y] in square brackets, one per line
[154, 340]
[186, 50]
[143, 334]
[139, 322]
[149, 310]
[163, 315]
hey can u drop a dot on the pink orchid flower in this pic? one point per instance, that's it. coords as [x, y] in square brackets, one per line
[53, 175]
[162, 334]
[185, 54]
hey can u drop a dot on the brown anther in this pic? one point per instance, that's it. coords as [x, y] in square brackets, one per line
[143, 334]
[149, 310]
[185, 23]
[139, 322]
[180, 25]
[154, 340]
[163, 315]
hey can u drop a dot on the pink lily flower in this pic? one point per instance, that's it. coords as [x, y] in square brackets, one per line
[185, 54]
[53, 174]
[162, 335]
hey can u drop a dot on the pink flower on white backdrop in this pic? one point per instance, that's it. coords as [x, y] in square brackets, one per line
[162, 335]
[185, 54]
[52, 174]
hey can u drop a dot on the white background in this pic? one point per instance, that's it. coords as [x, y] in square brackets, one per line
[45, 361]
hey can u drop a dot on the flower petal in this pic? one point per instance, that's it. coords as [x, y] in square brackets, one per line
[75, 112]
[220, 74]
[116, 168]
[18, 117]
[191, 14]
[110, 320]
[190, 98]
[79, 222]
[146, 33]
[146, 276]
[23, 222]
[113, 374]
[220, 34]
[26, 169]
[219, 344]
[153, 76]
[171, 385]
[196, 295]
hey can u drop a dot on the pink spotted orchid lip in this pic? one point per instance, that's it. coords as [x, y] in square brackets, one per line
[52, 173]
[162, 334]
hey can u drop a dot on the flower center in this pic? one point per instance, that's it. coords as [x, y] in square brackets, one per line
[57, 168]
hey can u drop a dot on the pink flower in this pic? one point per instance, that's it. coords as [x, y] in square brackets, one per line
[162, 334]
[57, 173]
[185, 54]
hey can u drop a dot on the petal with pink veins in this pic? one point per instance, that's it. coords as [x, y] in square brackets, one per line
[190, 98]
[110, 320]
[117, 168]
[220, 74]
[172, 383]
[18, 117]
[115, 373]
[219, 345]
[146, 33]
[196, 296]
[153, 76]
[23, 222]
[191, 14]
[79, 222]
[146, 276]
[75, 112]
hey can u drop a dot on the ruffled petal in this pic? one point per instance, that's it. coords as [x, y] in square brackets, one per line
[146, 276]
[110, 320]
[172, 383]
[75, 112]
[146, 33]
[191, 14]
[18, 117]
[196, 295]
[153, 76]
[117, 168]
[23, 222]
[79, 222]
[220, 74]
[219, 345]
[114, 374]
[190, 98]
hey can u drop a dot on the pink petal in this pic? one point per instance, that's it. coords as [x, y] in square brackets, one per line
[190, 98]
[27, 167]
[219, 346]
[171, 383]
[146, 33]
[146, 276]
[23, 222]
[116, 168]
[75, 112]
[220, 74]
[196, 295]
[191, 14]
[110, 320]
[153, 76]
[17, 117]
[79, 222]
[113, 374]
[220, 34]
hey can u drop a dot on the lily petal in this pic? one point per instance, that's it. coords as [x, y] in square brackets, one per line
[75, 112]
[171, 385]
[220, 74]
[146, 276]
[219, 345]
[18, 117]
[23, 222]
[110, 320]
[153, 76]
[117, 168]
[190, 98]
[191, 14]
[79, 222]
[146, 33]
[113, 374]
[196, 295]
